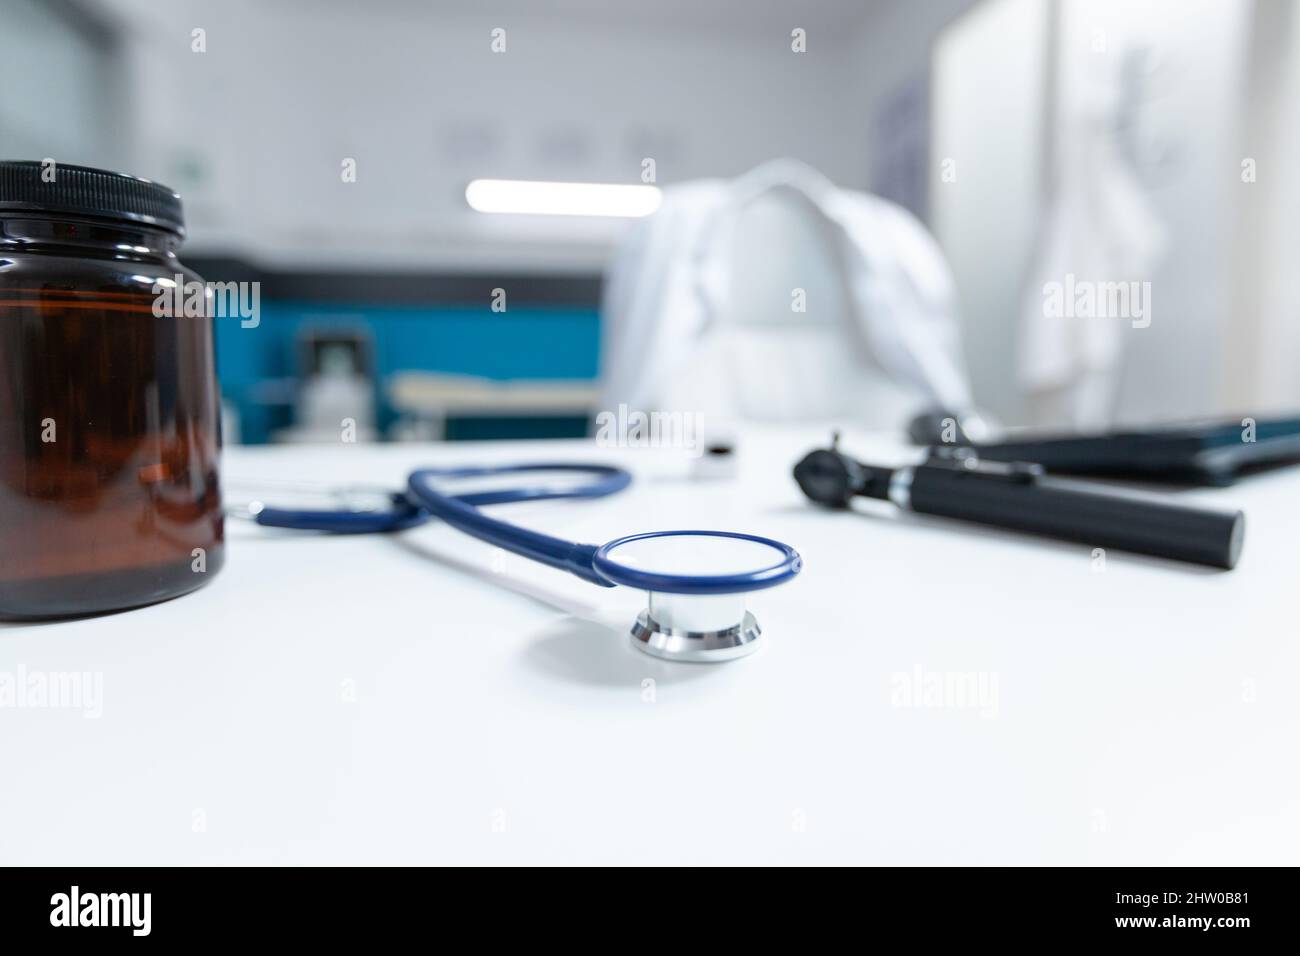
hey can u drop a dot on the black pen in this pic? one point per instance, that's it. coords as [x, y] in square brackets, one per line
[955, 483]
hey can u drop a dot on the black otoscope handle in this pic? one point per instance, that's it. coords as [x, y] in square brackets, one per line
[1011, 496]
[956, 484]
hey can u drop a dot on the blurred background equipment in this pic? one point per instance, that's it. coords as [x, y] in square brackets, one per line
[336, 391]
[425, 401]
[1194, 453]
[320, 153]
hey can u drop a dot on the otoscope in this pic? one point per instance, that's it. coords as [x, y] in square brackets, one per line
[955, 483]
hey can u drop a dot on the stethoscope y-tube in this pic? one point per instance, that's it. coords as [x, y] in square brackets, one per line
[956, 484]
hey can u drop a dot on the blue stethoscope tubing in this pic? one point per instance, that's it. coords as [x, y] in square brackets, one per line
[462, 511]
[592, 563]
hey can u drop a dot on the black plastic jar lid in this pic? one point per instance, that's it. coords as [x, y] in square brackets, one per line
[80, 190]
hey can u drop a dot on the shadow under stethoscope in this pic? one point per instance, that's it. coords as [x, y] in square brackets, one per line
[585, 646]
[596, 653]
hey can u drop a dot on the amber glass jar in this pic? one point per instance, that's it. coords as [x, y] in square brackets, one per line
[109, 406]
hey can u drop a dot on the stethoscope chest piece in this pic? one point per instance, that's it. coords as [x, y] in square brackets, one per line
[675, 628]
[696, 612]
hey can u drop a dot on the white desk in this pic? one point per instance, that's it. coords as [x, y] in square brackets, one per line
[417, 699]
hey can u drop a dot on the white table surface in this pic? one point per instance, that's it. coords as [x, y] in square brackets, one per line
[425, 699]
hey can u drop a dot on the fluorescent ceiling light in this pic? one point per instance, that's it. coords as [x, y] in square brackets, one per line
[561, 199]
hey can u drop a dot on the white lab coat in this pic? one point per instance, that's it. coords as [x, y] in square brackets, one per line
[669, 286]
[1100, 227]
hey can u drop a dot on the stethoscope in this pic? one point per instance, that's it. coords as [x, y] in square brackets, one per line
[696, 580]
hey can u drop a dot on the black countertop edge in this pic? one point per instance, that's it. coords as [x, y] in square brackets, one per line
[403, 288]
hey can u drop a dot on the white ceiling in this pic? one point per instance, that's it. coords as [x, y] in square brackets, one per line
[830, 22]
[825, 20]
[739, 14]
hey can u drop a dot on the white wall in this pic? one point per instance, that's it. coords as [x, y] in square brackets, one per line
[886, 53]
[55, 87]
[254, 130]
